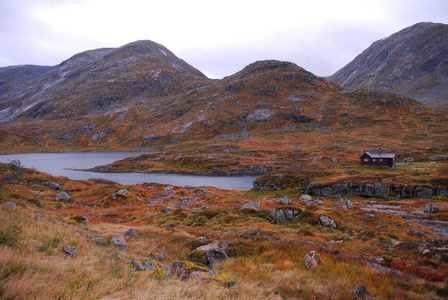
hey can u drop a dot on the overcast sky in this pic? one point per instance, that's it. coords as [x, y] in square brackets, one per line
[217, 37]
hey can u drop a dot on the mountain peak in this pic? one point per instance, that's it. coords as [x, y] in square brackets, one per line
[412, 62]
[267, 65]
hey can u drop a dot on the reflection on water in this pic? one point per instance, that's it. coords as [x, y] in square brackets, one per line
[59, 164]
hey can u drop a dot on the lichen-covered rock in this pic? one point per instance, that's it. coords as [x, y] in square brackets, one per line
[52, 185]
[381, 190]
[285, 200]
[119, 242]
[182, 269]
[137, 265]
[407, 192]
[438, 157]
[131, 232]
[424, 192]
[168, 209]
[121, 193]
[360, 292]
[305, 198]
[281, 215]
[209, 254]
[148, 264]
[326, 221]
[252, 205]
[220, 278]
[160, 270]
[347, 204]
[98, 241]
[277, 216]
[369, 216]
[10, 205]
[69, 250]
[312, 260]
[63, 196]
[431, 208]
[314, 202]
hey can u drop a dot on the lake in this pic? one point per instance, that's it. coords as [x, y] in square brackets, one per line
[59, 164]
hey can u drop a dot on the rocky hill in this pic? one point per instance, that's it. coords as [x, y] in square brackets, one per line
[412, 62]
[91, 83]
[142, 96]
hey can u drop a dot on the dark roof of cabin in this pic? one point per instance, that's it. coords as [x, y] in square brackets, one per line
[380, 153]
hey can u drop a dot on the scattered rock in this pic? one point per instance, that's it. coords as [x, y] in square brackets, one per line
[209, 254]
[52, 185]
[115, 256]
[121, 193]
[161, 256]
[312, 260]
[326, 221]
[132, 218]
[407, 160]
[203, 239]
[347, 204]
[220, 278]
[285, 200]
[99, 241]
[10, 205]
[314, 158]
[252, 205]
[187, 269]
[168, 188]
[438, 157]
[131, 232]
[360, 292]
[69, 250]
[338, 203]
[148, 264]
[305, 198]
[255, 232]
[417, 233]
[280, 216]
[183, 269]
[63, 196]
[277, 216]
[170, 225]
[369, 216]
[334, 160]
[119, 242]
[431, 208]
[168, 209]
[314, 202]
[138, 265]
[60, 223]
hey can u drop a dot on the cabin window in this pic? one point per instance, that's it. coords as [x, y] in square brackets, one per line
[374, 159]
[366, 159]
[381, 160]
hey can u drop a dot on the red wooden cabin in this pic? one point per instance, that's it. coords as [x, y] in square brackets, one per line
[378, 157]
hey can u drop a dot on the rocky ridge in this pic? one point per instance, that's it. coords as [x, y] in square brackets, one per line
[142, 95]
[412, 62]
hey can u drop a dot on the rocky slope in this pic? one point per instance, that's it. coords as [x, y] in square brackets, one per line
[412, 62]
[141, 95]
[92, 82]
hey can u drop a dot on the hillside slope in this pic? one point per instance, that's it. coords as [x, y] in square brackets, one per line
[141, 96]
[91, 83]
[412, 62]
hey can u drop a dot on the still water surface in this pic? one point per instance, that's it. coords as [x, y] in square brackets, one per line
[59, 164]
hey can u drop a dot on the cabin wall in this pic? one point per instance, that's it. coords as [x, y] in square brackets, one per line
[368, 161]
